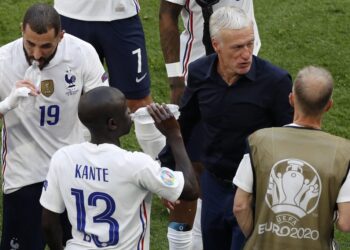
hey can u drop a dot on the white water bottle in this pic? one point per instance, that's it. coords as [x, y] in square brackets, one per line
[33, 75]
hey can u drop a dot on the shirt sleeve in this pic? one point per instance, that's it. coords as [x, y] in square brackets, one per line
[51, 197]
[244, 175]
[94, 74]
[344, 194]
[282, 111]
[160, 180]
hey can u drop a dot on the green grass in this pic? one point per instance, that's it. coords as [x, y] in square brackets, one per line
[293, 34]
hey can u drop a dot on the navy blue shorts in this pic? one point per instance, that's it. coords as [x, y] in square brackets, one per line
[21, 226]
[121, 44]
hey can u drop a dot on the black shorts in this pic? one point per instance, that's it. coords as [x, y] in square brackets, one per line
[121, 44]
[21, 226]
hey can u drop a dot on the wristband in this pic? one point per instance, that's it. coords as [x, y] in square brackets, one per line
[173, 69]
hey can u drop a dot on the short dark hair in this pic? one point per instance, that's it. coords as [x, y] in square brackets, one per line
[313, 87]
[41, 18]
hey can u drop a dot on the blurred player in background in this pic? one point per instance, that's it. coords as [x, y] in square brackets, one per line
[114, 28]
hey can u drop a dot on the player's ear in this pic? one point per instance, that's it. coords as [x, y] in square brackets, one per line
[112, 124]
[291, 99]
[329, 105]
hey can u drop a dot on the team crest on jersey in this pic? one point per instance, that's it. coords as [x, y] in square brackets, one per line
[294, 187]
[168, 177]
[47, 87]
[70, 80]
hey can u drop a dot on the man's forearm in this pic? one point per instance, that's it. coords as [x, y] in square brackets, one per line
[169, 31]
[170, 43]
[243, 211]
[183, 164]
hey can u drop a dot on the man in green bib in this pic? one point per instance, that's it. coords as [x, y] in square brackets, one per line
[293, 185]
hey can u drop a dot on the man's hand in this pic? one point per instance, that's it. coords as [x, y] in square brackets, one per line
[29, 85]
[164, 119]
[22, 90]
[168, 204]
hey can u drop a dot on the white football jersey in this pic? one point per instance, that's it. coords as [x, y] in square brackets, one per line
[97, 10]
[191, 45]
[40, 125]
[107, 193]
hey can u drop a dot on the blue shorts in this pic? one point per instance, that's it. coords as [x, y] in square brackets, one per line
[121, 44]
[21, 226]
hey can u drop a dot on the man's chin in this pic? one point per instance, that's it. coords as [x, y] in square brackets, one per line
[244, 68]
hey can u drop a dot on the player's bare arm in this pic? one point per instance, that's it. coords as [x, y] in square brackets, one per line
[52, 229]
[168, 126]
[343, 222]
[170, 41]
[242, 209]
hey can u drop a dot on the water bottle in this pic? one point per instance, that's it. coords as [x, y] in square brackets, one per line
[33, 75]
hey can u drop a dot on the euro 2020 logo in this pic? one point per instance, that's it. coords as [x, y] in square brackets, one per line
[294, 187]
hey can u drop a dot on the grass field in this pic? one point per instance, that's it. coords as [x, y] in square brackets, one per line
[293, 34]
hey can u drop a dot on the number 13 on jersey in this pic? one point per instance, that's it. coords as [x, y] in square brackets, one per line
[104, 217]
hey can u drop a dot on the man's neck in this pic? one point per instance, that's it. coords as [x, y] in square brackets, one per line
[308, 122]
[228, 76]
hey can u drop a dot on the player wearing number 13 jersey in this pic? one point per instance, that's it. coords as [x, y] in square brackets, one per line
[40, 125]
[106, 189]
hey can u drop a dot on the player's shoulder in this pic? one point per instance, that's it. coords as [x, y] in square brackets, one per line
[138, 156]
[200, 69]
[67, 151]
[75, 45]
[10, 50]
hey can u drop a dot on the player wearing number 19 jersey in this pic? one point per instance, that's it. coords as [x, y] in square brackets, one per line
[107, 193]
[33, 132]
[107, 190]
[38, 127]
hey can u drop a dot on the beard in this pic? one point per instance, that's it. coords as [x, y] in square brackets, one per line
[43, 62]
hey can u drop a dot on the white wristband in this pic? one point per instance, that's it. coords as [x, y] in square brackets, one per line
[173, 69]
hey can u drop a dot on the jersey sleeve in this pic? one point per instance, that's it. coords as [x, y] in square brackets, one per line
[244, 175]
[51, 197]
[344, 194]
[94, 74]
[162, 181]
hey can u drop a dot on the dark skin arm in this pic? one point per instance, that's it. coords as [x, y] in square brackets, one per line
[52, 229]
[168, 126]
[170, 43]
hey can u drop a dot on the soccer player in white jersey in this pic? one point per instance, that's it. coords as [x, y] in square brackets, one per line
[107, 190]
[33, 131]
[179, 50]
